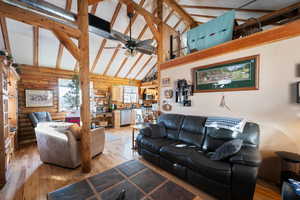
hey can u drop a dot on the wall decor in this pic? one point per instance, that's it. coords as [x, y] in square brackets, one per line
[39, 98]
[233, 75]
[166, 106]
[165, 82]
[168, 93]
[183, 91]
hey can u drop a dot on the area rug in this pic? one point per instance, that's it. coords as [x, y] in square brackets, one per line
[138, 181]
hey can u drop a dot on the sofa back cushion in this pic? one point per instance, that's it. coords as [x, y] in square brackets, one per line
[172, 123]
[216, 137]
[193, 130]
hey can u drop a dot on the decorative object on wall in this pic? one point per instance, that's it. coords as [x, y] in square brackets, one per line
[183, 91]
[298, 91]
[212, 33]
[39, 98]
[223, 103]
[165, 82]
[233, 75]
[168, 93]
[166, 106]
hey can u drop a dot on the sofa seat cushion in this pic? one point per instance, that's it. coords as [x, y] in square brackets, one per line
[215, 170]
[154, 144]
[177, 153]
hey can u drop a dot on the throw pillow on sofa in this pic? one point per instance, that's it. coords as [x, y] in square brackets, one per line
[76, 131]
[157, 130]
[226, 150]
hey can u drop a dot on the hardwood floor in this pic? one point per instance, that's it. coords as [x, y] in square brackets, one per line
[30, 179]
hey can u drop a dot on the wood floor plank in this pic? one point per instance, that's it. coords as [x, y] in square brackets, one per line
[30, 179]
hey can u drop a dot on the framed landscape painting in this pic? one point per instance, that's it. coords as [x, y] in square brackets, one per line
[232, 75]
[39, 98]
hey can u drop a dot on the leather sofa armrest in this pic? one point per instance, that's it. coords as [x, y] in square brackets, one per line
[247, 156]
[146, 132]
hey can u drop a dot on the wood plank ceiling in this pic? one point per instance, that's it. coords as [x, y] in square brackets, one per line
[36, 46]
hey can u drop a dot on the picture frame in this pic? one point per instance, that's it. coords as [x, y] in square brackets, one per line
[38, 98]
[165, 82]
[233, 75]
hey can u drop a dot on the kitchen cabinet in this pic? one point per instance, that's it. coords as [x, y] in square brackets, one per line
[117, 93]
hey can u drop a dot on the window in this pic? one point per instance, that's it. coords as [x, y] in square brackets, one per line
[130, 94]
[70, 95]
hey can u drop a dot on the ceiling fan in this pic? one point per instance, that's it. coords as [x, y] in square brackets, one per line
[132, 45]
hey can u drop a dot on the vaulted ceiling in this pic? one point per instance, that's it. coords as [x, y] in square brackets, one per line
[36, 46]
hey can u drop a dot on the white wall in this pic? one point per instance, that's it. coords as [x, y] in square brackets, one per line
[273, 106]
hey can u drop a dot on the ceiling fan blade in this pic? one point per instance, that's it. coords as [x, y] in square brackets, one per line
[144, 42]
[120, 37]
[149, 50]
[114, 48]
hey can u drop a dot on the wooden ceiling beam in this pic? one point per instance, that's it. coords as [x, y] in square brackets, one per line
[61, 46]
[91, 2]
[119, 45]
[152, 27]
[68, 43]
[182, 13]
[143, 67]
[5, 36]
[270, 18]
[226, 8]
[104, 41]
[35, 19]
[36, 39]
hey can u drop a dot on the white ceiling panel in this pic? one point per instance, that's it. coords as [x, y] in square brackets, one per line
[116, 63]
[94, 43]
[2, 46]
[106, 9]
[68, 62]
[259, 4]
[138, 26]
[137, 68]
[128, 65]
[173, 20]
[122, 20]
[105, 57]
[147, 68]
[21, 41]
[48, 48]
[59, 3]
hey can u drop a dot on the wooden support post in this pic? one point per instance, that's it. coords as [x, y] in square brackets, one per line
[160, 45]
[36, 46]
[84, 82]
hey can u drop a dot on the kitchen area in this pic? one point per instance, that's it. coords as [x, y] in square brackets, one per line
[122, 105]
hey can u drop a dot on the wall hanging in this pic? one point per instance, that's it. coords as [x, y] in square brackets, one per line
[232, 75]
[39, 98]
[183, 92]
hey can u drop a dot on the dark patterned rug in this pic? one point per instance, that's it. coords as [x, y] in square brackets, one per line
[138, 181]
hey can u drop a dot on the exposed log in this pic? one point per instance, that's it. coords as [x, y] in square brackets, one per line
[36, 46]
[35, 19]
[5, 34]
[186, 17]
[160, 46]
[90, 2]
[273, 17]
[152, 27]
[83, 23]
[226, 8]
[68, 43]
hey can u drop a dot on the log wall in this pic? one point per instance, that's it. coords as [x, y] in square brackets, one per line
[47, 79]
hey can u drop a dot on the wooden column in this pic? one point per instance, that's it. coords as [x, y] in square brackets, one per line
[160, 44]
[84, 83]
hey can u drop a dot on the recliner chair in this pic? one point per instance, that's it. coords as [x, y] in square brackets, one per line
[37, 117]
